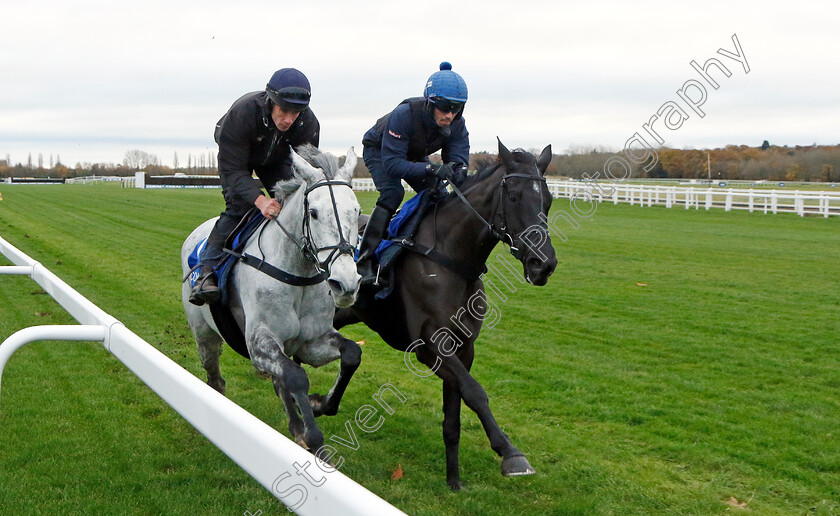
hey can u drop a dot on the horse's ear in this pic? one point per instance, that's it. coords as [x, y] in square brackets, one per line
[346, 170]
[505, 155]
[544, 160]
[303, 169]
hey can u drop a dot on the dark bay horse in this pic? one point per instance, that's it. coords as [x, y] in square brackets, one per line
[438, 304]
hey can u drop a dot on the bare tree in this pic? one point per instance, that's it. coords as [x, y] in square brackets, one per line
[137, 159]
[175, 160]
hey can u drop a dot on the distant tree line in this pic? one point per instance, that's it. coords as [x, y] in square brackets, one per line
[767, 162]
[133, 161]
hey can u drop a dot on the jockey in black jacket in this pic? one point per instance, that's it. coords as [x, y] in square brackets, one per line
[254, 137]
[398, 145]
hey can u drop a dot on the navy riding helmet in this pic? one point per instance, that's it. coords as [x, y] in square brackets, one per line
[289, 89]
[446, 90]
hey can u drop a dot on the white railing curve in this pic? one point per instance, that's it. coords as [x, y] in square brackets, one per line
[257, 448]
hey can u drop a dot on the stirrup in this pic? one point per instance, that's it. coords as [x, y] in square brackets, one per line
[200, 296]
[371, 279]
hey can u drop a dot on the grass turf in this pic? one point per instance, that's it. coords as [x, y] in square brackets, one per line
[678, 362]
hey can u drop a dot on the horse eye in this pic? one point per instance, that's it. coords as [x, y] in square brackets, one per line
[313, 214]
[513, 197]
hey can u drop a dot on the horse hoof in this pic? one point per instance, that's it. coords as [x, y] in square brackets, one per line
[454, 485]
[316, 402]
[323, 456]
[516, 466]
[220, 387]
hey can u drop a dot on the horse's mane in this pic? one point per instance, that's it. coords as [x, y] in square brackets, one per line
[323, 160]
[283, 189]
[488, 166]
[485, 167]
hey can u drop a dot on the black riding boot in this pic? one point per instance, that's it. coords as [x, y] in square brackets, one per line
[375, 230]
[206, 289]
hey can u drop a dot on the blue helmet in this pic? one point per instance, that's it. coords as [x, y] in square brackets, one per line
[446, 84]
[289, 89]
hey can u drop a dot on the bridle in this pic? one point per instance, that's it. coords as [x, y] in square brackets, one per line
[502, 233]
[343, 246]
[307, 246]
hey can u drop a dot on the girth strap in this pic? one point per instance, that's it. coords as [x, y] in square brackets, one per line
[280, 275]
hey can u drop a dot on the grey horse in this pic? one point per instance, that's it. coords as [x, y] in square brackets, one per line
[285, 324]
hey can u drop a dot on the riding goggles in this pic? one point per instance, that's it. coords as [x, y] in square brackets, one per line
[446, 105]
[291, 98]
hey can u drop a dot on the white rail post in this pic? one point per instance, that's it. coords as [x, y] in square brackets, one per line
[88, 332]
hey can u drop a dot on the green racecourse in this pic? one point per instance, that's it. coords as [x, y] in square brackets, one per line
[678, 362]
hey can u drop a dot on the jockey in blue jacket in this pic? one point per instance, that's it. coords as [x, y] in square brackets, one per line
[398, 146]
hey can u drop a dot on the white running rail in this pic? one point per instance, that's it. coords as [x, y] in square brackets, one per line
[767, 201]
[272, 459]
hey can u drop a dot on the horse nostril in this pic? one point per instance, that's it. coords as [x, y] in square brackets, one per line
[534, 263]
[335, 286]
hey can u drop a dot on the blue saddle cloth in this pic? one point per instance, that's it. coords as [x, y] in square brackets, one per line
[402, 227]
[222, 316]
[236, 243]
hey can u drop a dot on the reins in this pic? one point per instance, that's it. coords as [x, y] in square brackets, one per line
[469, 271]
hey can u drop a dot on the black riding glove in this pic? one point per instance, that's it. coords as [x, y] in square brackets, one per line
[441, 171]
[459, 174]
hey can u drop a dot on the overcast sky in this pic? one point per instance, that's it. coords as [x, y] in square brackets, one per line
[90, 80]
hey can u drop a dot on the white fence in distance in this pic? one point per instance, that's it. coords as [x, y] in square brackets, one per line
[801, 202]
[767, 201]
[261, 451]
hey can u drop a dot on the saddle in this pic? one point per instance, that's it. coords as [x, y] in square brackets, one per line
[233, 247]
[401, 232]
